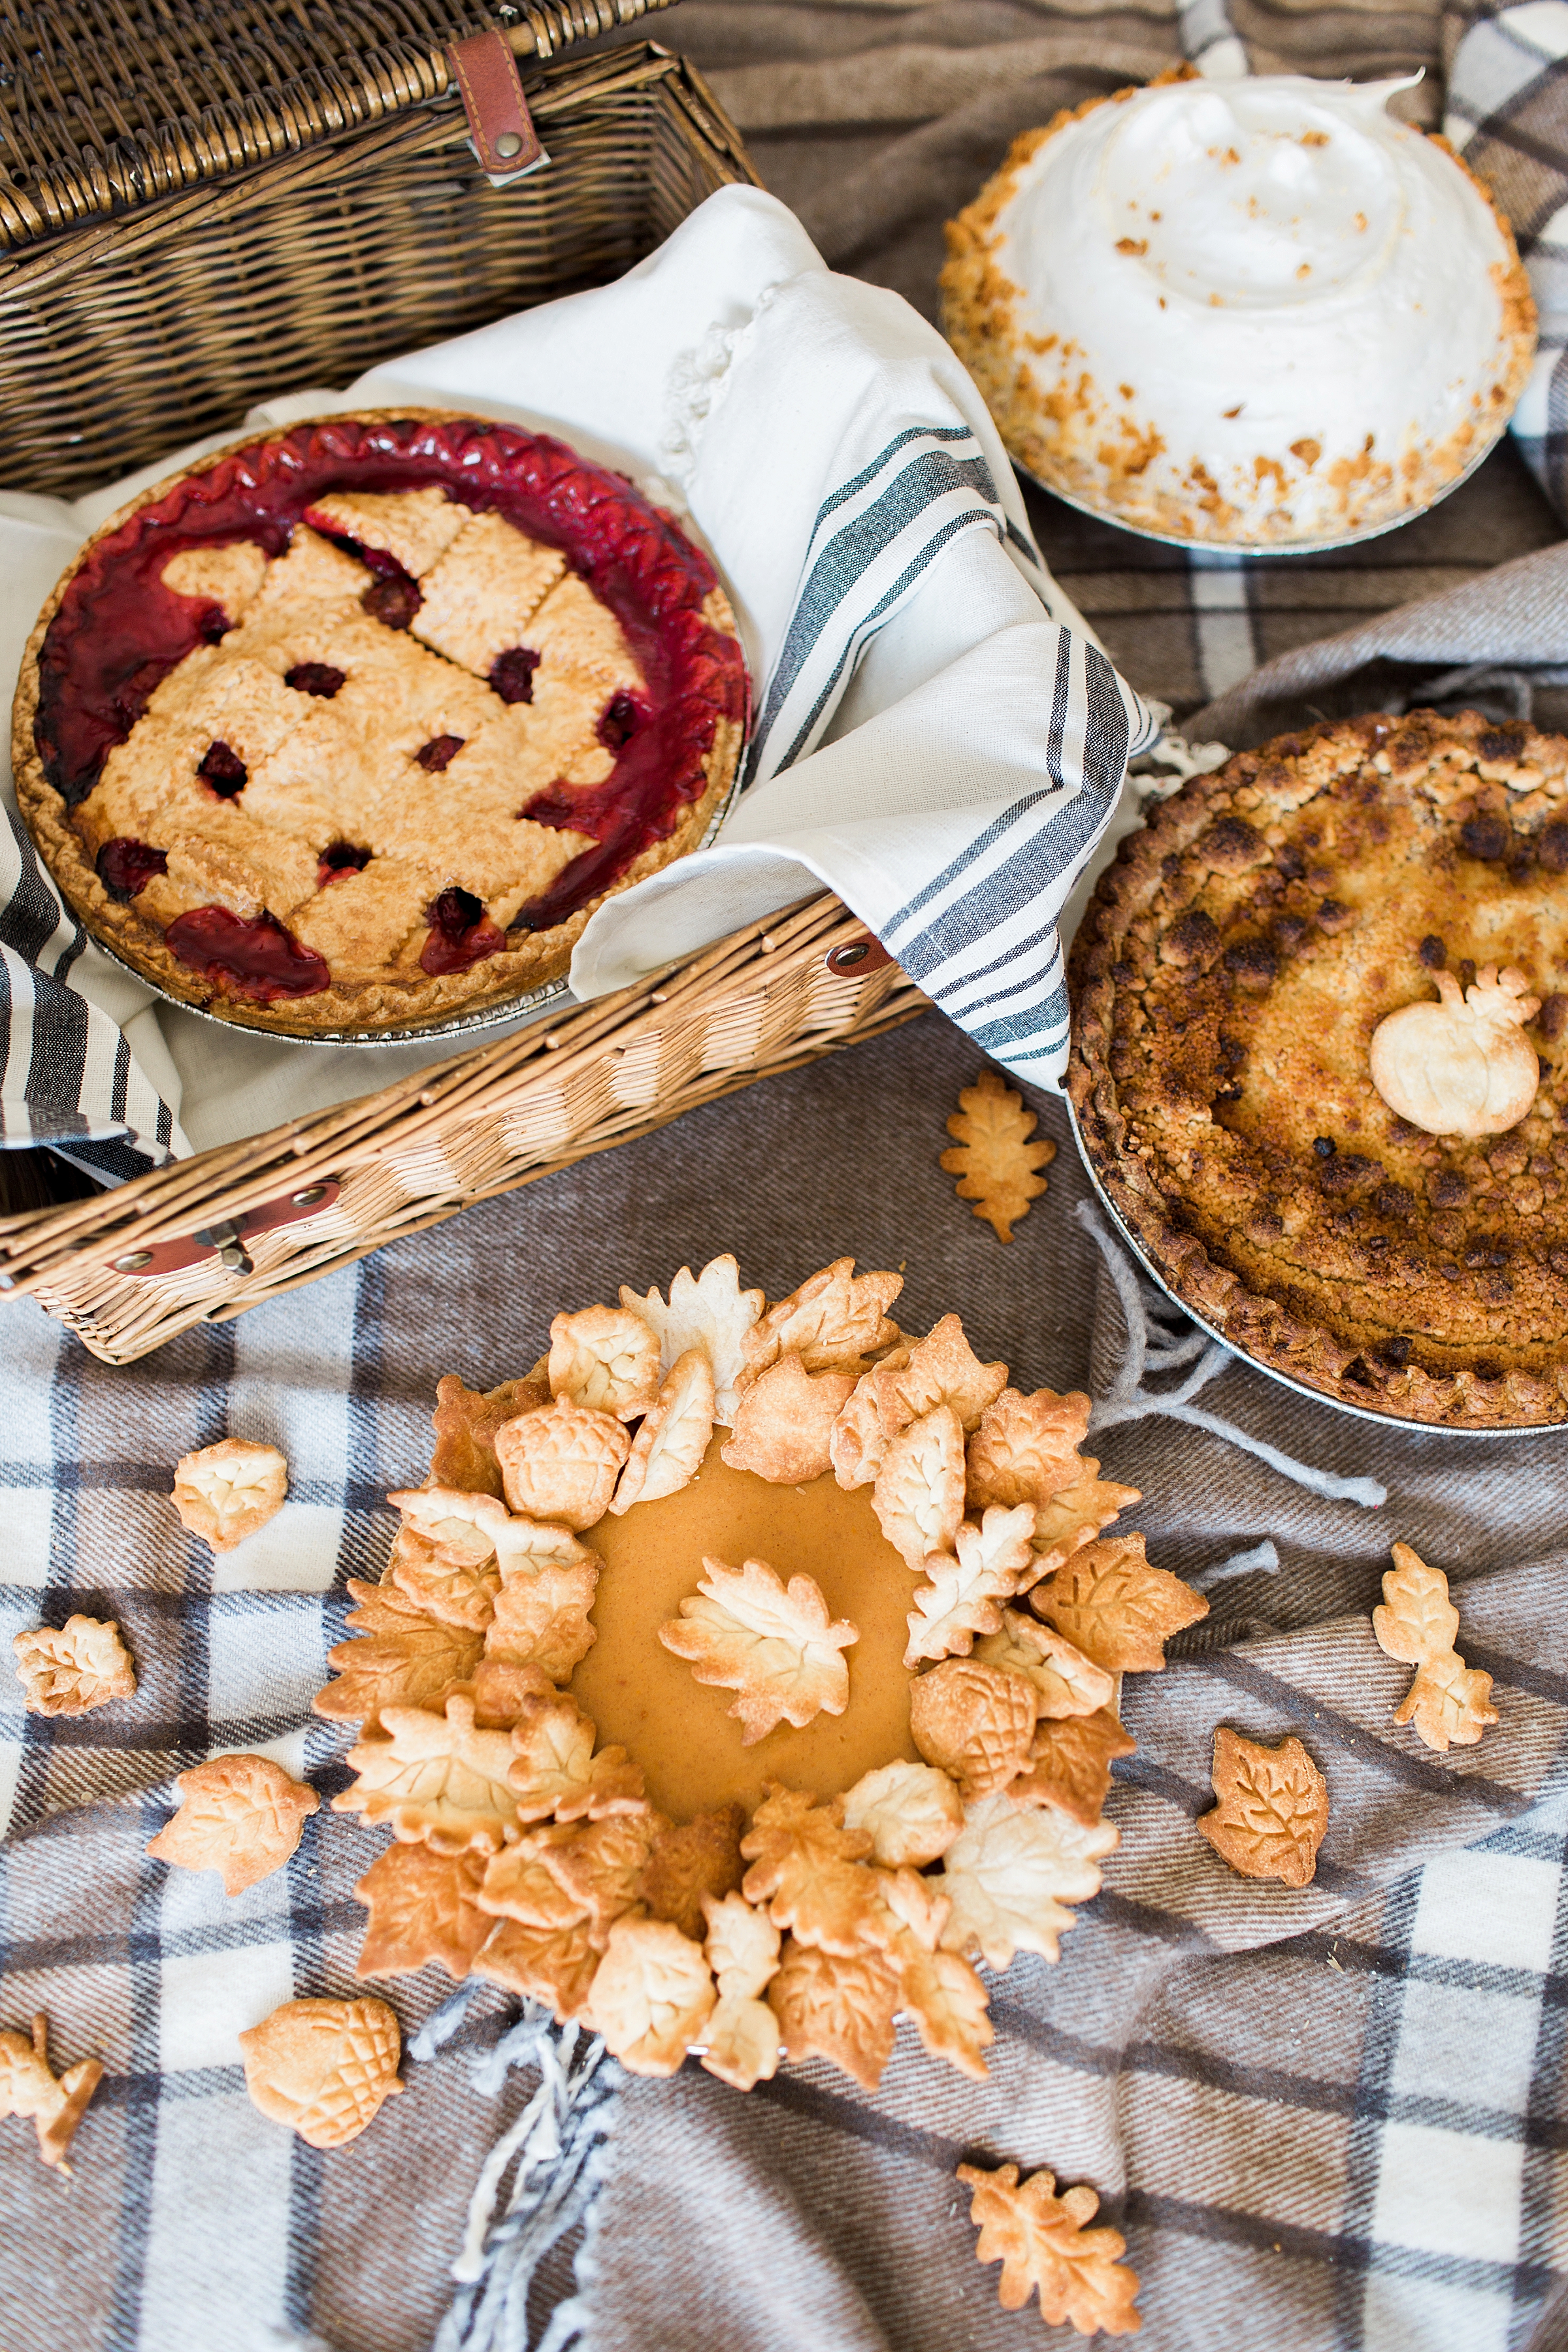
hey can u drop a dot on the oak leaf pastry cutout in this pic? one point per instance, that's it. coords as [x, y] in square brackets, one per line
[775, 1645]
[840, 2007]
[74, 1667]
[240, 1815]
[963, 1589]
[784, 1423]
[995, 1161]
[741, 2036]
[226, 1492]
[937, 1987]
[911, 1812]
[541, 1618]
[1045, 2245]
[973, 1722]
[466, 1420]
[55, 2106]
[836, 1322]
[1024, 1449]
[435, 1778]
[709, 1311]
[1273, 1808]
[918, 1495]
[1462, 1067]
[1068, 1764]
[323, 2068]
[1448, 1702]
[690, 1864]
[667, 1449]
[605, 1358]
[423, 1906]
[809, 1871]
[560, 1464]
[653, 1994]
[940, 1369]
[1066, 1682]
[406, 1661]
[1115, 1606]
[1010, 1874]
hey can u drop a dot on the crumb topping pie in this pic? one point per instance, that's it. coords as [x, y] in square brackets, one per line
[352, 727]
[1320, 1017]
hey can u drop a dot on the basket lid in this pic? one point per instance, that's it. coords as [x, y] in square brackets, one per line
[104, 111]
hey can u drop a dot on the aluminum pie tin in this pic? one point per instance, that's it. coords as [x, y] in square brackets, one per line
[1283, 1380]
[1221, 547]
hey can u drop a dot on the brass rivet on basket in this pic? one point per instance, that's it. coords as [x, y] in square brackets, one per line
[508, 144]
[134, 1261]
[845, 959]
[235, 1258]
[312, 1192]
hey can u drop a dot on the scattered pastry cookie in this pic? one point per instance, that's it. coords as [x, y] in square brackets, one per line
[1448, 1703]
[1045, 2246]
[225, 1492]
[997, 1165]
[28, 2087]
[81, 1664]
[240, 1815]
[685, 1674]
[323, 2068]
[1273, 1808]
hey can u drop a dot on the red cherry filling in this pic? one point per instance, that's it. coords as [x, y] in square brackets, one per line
[253, 956]
[512, 673]
[392, 600]
[618, 722]
[340, 857]
[315, 678]
[125, 867]
[225, 772]
[436, 756]
[461, 933]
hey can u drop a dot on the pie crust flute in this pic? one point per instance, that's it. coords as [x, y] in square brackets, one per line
[352, 727]
[1235, 980]
[585, 1812]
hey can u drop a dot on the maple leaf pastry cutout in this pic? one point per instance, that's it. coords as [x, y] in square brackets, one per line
[691, 1864]
[240, 1815]
[667, 1449]
[226, 1492]
[918, 1494]
[836, 1322]
[911, 1813]
[809, 1871]
[556, 1965]
[423, 1906]
[1273, 1808]
[1115, 1606]
[554, 1769]
[540, 1617]
[604, 1357]
[652, 1995]
[1068, 1764]
[323, 2068]
[71, 1669]
[1026, 1448]
[775, 1645]
[1448, 1703]
[438, 1584]
[1078, 1513]
[1011, 1875]
[784, 1422]
[1046, 2247]
[466, 1420]
[406, 1661]
[29, 2087]
[1066, 1682]
[435, 1777]
[910, 1381]
[710, 1312]
[560, 1464]
[841, 2007]
[995, 1161]
[937, 1988]
[964, 1589]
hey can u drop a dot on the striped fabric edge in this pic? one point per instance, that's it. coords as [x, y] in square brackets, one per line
[981, 937]
[872, 542]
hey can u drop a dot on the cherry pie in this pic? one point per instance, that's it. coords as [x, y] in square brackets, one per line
[353, 727]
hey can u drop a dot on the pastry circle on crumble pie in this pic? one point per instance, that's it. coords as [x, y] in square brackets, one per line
[1226, 982]
[352, 727]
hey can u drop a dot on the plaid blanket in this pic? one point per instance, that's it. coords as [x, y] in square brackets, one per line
[1332, 2119]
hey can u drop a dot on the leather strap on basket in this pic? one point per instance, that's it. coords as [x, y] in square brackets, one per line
[501, 127]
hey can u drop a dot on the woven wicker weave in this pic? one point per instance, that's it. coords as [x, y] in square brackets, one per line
[764, 1000]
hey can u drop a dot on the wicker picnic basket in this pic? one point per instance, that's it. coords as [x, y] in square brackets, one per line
[202, 207]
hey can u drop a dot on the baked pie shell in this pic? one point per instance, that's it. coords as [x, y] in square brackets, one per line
[381, 1005]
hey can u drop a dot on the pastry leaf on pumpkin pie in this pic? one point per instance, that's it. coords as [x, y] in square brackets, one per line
[741, 2041]
[542, 1619]
[473, 1529]
[690, 1864]
[1043, 2243]
[939, 1991]
[940, 1369]
[551, 1964]
[840, 2006]
[652, 1995]
[435, 1778]
[1010, 1876]
[605, 1358]
[456, 1593]
[1448, 1702]
[423, 1906]
[1024, 1449]
[466, 1420]
[554, 1769]
[962, 1596]
[911, 1812]
[973, 1722]
[1272, 1812]
[560, 1464]
[240, 1815]
[995, 1161]
[918, 1492]
[773, 1644]
[415, 1664]
[709, 1311]
[667, 1449]
[1069, 1764]
[517, 1885]
[809, 1871]
[742, 1945]
[1066, 1682]
[836, 1322]
[784, 1423]
[1116, 1607]
[1075, 1515]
